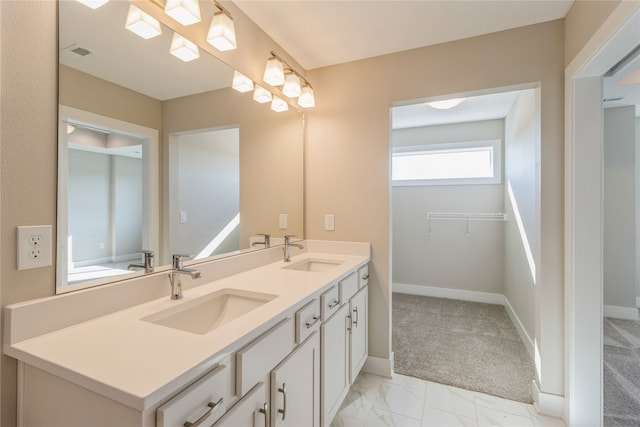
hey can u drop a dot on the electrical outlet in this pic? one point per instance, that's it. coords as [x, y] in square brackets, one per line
[34, 246]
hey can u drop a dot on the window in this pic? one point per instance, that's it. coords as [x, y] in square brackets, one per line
[477, 162]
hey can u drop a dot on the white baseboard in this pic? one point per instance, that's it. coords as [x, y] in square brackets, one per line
[617, 312]
[379, 366]
[547, 404]
[524, 336]
[430, 291]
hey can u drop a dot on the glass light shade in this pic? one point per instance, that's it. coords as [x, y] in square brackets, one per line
[93, 4]
[279, 105]
[274, 72]
[186, 12]
[306, 99]
[222, 32]
[241, 83]
[446, 104]
[183, 48]
[70, 128]
[291, 86]
[142, 24]
[261, 95]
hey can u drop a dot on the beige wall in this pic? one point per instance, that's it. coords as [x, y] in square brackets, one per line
[28, 123]
[347, 156]
[582, 21]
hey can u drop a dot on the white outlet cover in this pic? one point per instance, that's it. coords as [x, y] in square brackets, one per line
[34, 246]
[283, 220]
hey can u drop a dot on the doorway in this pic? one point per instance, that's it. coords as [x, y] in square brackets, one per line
[584, 220]
[469, 233]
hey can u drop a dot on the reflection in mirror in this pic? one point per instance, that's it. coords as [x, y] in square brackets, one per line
[230, 166]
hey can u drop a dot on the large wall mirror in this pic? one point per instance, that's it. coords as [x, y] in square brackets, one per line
[160, 154]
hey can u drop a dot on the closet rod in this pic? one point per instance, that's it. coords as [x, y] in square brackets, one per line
[491, 216]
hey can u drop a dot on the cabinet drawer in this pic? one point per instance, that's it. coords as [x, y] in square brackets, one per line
[363, 276]
[201, 403]
[255, 360]
[251, 411]
[307, 320]
[329, 303]
[348, 287]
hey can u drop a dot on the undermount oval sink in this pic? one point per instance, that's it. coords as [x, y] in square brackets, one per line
[314, 265]
[209, 312]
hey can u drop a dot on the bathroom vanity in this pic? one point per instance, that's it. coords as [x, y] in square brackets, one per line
[254, 342]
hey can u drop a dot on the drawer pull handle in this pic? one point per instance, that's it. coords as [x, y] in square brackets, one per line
[310, 324]
[334, 303]
[264, 410]
[365, 277]
[212, 407]
[283, 411]
[355, 322]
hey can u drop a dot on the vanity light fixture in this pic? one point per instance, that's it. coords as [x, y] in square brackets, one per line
[274, 71]
[186, 12]
[292, 82]
[183, 48]
[306, 99]
[279, 105]
[222, 33]
[446, 104]
[241, 83]
[93, 4]
[261, 95]
[291, 86]
[142, 24]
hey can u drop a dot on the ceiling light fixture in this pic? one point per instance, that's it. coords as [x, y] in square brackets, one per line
[291, 86]
[261, 95]
[306, 99]
[70, 128]
[142, 24]
[93, 4]
[183, 48]
[186, 12]
[279, 105]
[274, 72]
[222, 33]
[241, 83]
[446, 104]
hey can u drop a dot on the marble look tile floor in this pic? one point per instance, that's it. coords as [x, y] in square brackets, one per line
[404, 401]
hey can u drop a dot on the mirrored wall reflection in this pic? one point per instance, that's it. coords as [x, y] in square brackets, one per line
[215, 195]
[104, 203]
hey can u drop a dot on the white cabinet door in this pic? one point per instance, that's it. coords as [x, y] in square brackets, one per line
[250, 411]
[334, 363]
[295, 387]
[359, 332]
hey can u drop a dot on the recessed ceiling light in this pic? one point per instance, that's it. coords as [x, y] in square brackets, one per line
[446, 104]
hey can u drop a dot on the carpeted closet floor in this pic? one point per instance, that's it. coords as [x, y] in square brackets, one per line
[460, 343]
[621, 373]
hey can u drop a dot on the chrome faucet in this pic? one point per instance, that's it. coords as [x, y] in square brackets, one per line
[266, 243]
[175, 277]
[286, 249]
[148, 262]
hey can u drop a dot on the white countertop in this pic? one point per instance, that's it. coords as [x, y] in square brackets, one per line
[137, 363]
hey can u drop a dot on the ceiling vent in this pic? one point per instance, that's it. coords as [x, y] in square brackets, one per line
[75, 51]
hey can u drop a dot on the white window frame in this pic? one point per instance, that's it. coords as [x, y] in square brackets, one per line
[495, 144]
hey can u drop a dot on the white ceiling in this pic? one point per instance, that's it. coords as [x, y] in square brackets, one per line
[121, 57]
[473, 109]
[320, 33]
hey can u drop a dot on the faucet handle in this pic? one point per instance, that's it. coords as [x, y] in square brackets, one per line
[177, 260]
[148, 260]
[287, 238]
[146, 252]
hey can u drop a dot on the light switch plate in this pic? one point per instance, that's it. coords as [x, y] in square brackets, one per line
[34, 246]
[330, 222]
[183, 217]
[282, 221]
